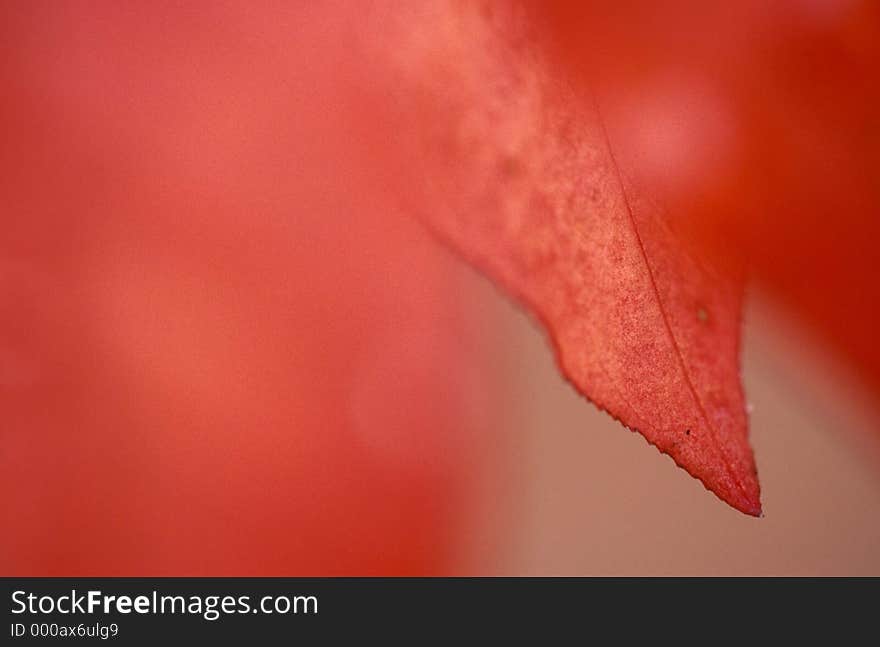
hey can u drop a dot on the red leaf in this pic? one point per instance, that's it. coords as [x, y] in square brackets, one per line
[526, 186]
[788, 179]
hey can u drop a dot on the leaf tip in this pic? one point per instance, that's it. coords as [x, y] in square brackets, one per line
[747, 500]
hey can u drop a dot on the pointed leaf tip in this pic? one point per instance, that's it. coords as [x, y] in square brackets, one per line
[524, 183]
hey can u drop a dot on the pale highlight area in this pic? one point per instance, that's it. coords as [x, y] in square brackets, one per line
[675, 133]
[584, 496]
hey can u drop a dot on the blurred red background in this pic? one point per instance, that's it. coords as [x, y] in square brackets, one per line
[224, 351]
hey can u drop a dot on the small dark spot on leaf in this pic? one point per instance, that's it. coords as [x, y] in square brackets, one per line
[687, 432]
[510, 167]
